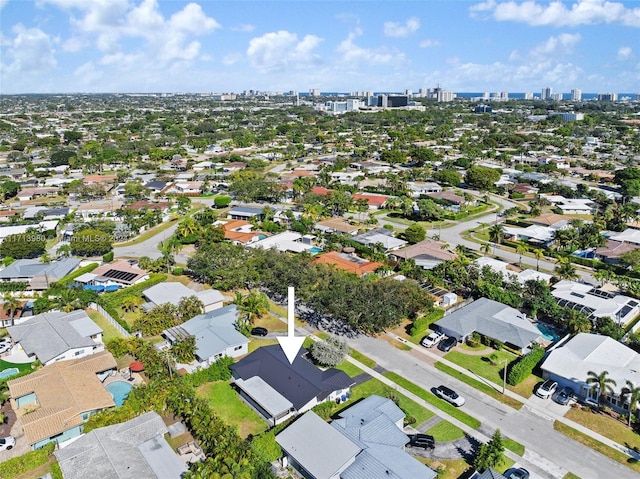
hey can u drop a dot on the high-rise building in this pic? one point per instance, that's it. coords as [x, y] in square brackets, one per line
[485, 95]
[607, 97]
[443, 95]
[576, 94]
[546, 93]
[555, 97]
[528, 96]
[314, 92]
[423, 92]
[504, 95]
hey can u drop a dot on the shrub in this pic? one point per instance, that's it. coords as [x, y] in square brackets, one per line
[108, 258]
[329, 352]
[420, 325]
[222, 201]
[18, 466]
[177, 271]
[524, 366]
[68, 279]
[218, 371]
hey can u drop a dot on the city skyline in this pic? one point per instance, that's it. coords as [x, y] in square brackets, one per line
[67, 46]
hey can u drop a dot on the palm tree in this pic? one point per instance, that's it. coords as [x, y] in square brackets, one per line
[602, 383]
[485, 248]
[521, 249]
[67, 300]
[187, 227]
[632, 392]
[130, 303]
[11, 305]
[565, 269]
[64, 250]
[538, 254]
[45, 258]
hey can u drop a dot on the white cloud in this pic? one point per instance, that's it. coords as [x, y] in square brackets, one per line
[232, 58]
[557, 13]
[624, 53]
[354, 54]
[428, 43]
[396, 30]
[30, 51]
[277, 51]
[557, 45]
[3, 3]
[245, 27]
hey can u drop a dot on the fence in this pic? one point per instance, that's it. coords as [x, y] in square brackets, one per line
[115, 324]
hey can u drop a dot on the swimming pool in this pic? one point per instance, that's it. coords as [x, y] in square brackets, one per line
[119, 390]
[547, 333]
[7, 373]
[315, 250]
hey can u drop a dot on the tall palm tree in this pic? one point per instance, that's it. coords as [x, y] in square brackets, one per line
[521, 249]
[602, 383]
[632, 392]
[67, 300]
[565, 269]
[538, 254]
[11, 305]
[485, 248]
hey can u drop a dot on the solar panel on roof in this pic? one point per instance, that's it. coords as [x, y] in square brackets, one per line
[120, 275]
[601, 294]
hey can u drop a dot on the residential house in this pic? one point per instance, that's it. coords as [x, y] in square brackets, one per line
[507, 270]
[54, 402]
[120, 273]
[27, 194]
[184, 188]
[44, 213]
[107, 180]
[420, 188]
[36, 274]
[596, 302]
[382, 237]
[570, 364]
[155, 186]
[100, 452]
[629, 235]
[366, 441]
[375, 201]
[41, 227]
[493, 320]
[278, 389]
[336, 225]
[107, 209]
[173, 292]
[571, 206]
[427, 254]
[139, 205]
[57, 336]
[612, 250]
[525, 191]
[215, 333]
[285, 241]
[348, 262]
[448, 196]
[241, 232]
[245, 213]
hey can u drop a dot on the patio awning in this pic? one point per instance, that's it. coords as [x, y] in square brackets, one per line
[136, 367]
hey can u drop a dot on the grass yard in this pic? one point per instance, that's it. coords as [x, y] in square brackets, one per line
[570, 475]
[358, 356]
[447, 468]
[109, 331]
[227, 404]
[596, 445]
[480, 365]
[271, 322]
[526, 387]
[256, 343]
[434, 400]
[444, 431]
[351, 369]
[513, 446]
[479, 385]
[605, 425]
[21, 366]
[149, 233]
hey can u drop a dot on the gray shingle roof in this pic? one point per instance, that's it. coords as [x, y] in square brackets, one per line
[51, 334]
[131, 450]
[493, 319]
[28, 268]
[173, 292]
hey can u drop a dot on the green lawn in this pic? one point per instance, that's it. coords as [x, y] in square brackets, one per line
[149, 233]
[370, 363]
[605, 425]
[444, 431]
[226, 403]
[481, 366]
[431, 398]
[109, 331]
[513, 446]
[256, 343]
[351, 369]
[21, 366]
[479, 385]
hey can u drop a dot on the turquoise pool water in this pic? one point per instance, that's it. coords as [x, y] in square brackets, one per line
[547, 333]
[119, 390]
[315, 250]
[7, 373]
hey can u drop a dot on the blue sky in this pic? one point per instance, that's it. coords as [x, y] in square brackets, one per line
[51, 46]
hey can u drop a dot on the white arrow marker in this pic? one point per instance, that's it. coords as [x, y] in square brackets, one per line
[290, 344]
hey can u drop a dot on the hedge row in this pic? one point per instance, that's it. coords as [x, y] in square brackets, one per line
[13, 286]
[68, 279]
[420, 325]
[20, 465]
[525, 366]
[218, 371]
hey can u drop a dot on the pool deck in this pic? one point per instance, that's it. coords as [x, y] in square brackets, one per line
[123, 375]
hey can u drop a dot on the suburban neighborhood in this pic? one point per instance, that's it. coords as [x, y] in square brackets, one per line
[466, 277]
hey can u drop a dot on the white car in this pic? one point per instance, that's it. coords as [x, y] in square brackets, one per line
[7, 443]
[4, 347]
[449, 395]
[546, 389]
[433, 339]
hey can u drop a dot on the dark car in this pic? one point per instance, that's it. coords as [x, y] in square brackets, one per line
[519, 473]
[422, 440]
[565, 395]
[446, 344]
[258, 331]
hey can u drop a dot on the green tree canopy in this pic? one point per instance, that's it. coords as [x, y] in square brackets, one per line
[447, 177]
[90, 242]
[23, 245]
[482, 177]
[415, 233]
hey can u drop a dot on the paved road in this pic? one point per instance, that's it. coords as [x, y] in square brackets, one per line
[554, 452]
[148, 247]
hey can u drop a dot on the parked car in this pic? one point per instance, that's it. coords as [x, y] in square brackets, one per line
[5, 340]
[7, 443]
[519, 473]
[4, 347]
[433, 339]
[446, 344]
[449, 395]
[259, 331]
[565, 395]
[546, 389]
[422, 440]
